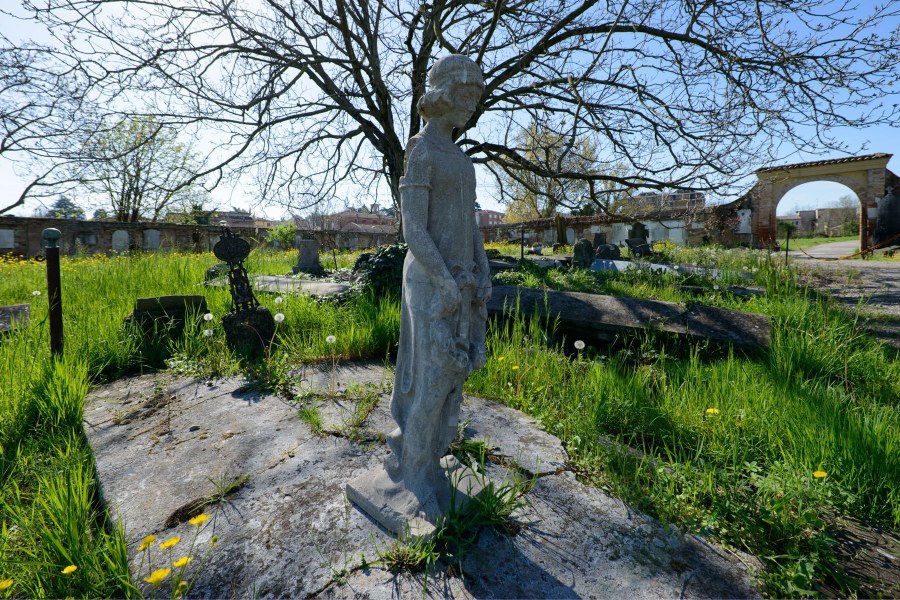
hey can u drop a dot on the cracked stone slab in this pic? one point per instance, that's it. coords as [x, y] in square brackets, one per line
[162, 442]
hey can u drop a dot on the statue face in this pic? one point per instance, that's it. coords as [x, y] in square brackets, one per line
[465, 99]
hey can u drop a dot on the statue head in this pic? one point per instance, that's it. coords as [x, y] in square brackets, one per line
[455, 85]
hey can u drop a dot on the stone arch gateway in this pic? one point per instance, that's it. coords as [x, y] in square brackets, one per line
[868, 177]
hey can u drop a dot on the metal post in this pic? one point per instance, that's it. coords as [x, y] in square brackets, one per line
[54, 289]
[787, 246]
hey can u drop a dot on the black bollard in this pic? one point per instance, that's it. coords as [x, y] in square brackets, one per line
[54, 289]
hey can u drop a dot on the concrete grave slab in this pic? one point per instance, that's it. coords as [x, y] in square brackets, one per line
[163, 442]
[277, 284]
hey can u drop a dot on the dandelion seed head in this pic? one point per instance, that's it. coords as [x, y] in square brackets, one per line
[279, 300]
[36, 293]
[208, 317]
[579, 345]
[330, 339]
[279, 317]
[208, 332]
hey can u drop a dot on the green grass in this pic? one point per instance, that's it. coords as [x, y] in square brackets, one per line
[823, 397]
[51, 510]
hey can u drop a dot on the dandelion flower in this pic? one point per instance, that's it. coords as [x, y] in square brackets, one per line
[579, 345]
[208, 317]
[146, 542]
[5, 584]
[279, 300]
[712, 411]
[715, 287]
[515, 367]
[69, 570]
[279, 317]
[501, 359]
[170, 542]
[36, 293]
[207, 332]
[157, 576]
[820, 474]
[182, 562]
[199, 519]
[330, 339]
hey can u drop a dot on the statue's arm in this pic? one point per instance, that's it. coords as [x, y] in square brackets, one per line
[415, 195]
[481, 264]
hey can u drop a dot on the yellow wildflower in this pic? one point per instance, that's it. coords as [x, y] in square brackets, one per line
[147, 542]
[157, 576]
[820, 474]
[5, 584]
[712, 411]
[182, 562]
[501, 359]
[199, 519]
[170, 542]
[515, 367]
[69, 570]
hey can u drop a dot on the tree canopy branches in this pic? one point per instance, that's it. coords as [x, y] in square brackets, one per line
[320, 95]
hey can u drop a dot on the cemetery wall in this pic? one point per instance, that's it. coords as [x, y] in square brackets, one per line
[21, 236]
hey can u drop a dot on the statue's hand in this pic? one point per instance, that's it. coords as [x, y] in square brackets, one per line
[449, 296]
[483, 290]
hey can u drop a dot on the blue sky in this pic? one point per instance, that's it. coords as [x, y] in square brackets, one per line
[812, 195]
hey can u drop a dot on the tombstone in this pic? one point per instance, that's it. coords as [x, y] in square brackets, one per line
[120, 240]
[166, 313]
[7, 239]
[888, 224]
[249, 327]
[583, 254]
[638, 230]
[14, 316]
[608, 252]
[639, 247]
[307, 257]
[443, 317]
[151, 239]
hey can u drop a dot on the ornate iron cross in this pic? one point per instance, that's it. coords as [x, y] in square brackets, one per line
[233, 250]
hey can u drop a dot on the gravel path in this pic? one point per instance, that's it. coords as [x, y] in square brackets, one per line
[871, 286]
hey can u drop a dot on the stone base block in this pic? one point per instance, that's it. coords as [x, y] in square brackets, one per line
[398, 510]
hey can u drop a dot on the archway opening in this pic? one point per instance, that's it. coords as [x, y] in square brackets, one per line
[819, 209]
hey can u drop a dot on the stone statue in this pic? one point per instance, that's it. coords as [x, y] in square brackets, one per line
[446, 285]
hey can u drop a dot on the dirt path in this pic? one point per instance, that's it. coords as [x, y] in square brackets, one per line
[872, 287]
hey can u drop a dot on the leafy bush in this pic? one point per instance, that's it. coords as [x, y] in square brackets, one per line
[381, 271]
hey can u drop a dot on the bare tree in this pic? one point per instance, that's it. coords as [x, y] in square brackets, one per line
[321, 94]
[42, 112]
[140, 169]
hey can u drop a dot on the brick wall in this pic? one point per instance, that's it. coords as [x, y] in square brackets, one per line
[22, 236]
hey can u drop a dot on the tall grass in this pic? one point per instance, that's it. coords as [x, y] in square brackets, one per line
[727, 444]
[52, 514]
[713, 440]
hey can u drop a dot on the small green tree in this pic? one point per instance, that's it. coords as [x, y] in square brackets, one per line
[64, 208]
[282, 235]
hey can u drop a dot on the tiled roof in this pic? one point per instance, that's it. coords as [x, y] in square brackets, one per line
[829, 161]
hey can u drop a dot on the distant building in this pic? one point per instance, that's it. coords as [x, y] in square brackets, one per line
[486, 218]
[351, 229]
[821, 221]
[675, 201]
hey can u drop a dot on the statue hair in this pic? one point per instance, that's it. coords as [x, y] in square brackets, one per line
[446, 72]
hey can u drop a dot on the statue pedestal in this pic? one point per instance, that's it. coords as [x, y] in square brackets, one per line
[393, 506]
